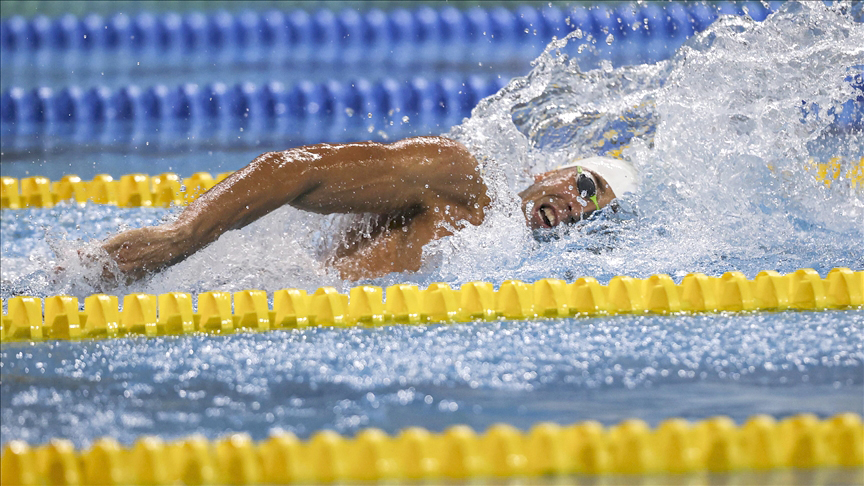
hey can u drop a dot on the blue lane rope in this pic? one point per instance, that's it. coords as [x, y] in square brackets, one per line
[222, 30]
[29, 111]
[441, 98]
[437, 100]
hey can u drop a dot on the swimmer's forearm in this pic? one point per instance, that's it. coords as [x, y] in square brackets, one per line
[275, 179]
[246, 195]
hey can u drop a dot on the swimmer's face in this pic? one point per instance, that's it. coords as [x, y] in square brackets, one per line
[564, 196]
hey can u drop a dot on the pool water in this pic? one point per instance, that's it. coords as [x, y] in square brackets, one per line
[725, 135]
[563, 370]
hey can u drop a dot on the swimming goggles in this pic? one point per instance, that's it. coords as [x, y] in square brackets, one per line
[586, 186]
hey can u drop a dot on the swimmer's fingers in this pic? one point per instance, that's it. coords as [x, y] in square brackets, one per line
[86, 256]
[93, 258]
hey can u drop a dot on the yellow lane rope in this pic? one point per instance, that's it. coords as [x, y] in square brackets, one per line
[253, 310]
[834, 168]
[131, 190]
[135, 190]
[715, 445]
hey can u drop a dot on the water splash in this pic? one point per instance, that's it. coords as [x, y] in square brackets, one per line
[724, 151]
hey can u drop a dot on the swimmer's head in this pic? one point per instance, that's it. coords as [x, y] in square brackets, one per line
[576, 190]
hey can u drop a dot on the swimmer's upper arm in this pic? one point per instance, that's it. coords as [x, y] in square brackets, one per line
[370, 177]
[366, 177]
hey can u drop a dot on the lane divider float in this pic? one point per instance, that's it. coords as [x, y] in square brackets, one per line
[218, 312]
[676, 446]
[194, 31]
[131, 190]
[830, 172]
[163, 190]
[100, 109]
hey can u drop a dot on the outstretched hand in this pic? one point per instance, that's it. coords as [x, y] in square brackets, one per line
[141, 251]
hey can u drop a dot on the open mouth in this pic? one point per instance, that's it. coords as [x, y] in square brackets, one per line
[548, 216]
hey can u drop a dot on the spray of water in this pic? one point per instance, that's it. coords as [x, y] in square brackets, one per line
[723, 142]
[725, 136]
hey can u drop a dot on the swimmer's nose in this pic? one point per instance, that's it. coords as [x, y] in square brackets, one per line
[574, 214]
[577, 214]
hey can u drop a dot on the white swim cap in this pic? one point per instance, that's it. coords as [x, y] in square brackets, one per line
[619, 174]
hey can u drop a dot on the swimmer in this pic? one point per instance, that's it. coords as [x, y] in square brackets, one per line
[417, 189]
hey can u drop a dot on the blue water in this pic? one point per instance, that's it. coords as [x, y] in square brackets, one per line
[725, 152]
[216, 148]
[565, 370]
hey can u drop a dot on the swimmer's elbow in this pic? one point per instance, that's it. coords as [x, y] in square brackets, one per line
[269, 159]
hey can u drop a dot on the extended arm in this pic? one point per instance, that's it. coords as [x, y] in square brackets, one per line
[365, 177]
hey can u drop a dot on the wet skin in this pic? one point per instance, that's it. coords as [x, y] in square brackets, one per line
[415, 188]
